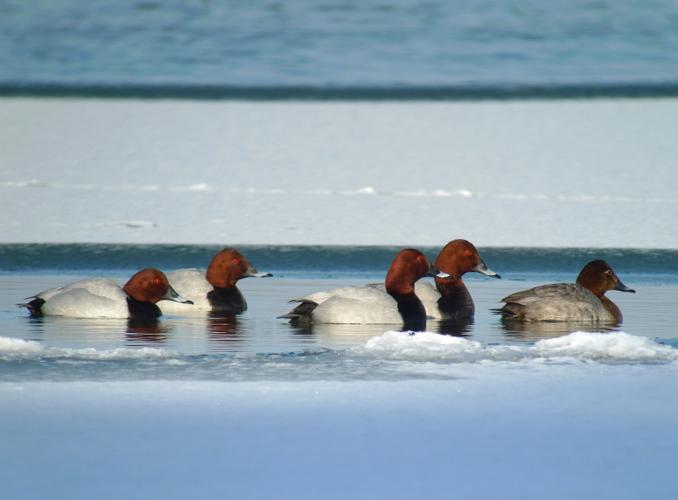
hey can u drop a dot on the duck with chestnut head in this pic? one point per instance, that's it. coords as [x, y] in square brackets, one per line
[215, 289]
[450, 300]
[583, 301]
[395, 302]
[103, 298]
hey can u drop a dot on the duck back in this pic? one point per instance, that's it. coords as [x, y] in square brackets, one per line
[369, 304]
[189, 283]
[556, 302]
[83, 303]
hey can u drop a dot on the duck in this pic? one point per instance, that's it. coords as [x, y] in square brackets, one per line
[583, 301]
[393, 303]
[450, 300]
[103, 298]
[215, 289]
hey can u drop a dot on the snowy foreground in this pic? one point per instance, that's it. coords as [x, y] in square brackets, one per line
[582, 416]
[506, 433]
[553, 173]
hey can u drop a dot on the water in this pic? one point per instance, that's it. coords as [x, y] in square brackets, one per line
[340, 49]
[257, 346]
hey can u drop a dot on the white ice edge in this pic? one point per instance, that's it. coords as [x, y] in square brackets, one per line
[12, 349]
[615, 347]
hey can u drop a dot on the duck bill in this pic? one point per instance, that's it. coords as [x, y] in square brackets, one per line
[483, 269]
[253, 273]
[621, 287]
[175, 297]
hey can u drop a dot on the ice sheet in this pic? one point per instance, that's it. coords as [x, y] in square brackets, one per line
[532, 173]
[560, 433]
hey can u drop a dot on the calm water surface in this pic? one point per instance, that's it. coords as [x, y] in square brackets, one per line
[330, 44]
[649, 313]
[256, 345]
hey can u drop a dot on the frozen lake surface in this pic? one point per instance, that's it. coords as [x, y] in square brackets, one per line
[564, 432]
[585, 173]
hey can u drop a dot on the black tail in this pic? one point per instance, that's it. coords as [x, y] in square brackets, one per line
[301, 313]
[34, 307]
[511, 310]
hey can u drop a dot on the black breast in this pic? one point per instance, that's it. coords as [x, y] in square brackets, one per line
[455, 302]
[412, 311]
[142, 310]
[227, 300]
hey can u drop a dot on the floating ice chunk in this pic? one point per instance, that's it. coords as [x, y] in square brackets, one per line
[363, 190]
[427, 346]
[19, 350]
[441, 193]
[135, 187]
[200, 187]
[22, 184]
[614, 346]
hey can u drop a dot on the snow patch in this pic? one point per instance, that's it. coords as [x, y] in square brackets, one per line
[26, 350]
[614, 347]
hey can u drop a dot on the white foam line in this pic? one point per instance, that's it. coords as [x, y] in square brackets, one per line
[23, 350]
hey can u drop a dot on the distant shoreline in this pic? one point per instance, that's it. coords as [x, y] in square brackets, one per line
[502, 92]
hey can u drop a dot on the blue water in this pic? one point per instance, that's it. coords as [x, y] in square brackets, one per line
[642, 266]
[264, 345]
[371, 48]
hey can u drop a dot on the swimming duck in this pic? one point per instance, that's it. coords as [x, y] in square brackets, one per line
[214, 290]
[397, 303]
[103, 298]
[451, 300]
[583, 301]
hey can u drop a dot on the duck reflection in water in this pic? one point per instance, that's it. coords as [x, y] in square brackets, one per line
[548, 329]
[146, 330]
[223, 327]
[460, 327]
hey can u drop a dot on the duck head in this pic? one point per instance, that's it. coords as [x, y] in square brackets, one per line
[151, 285]
[228, 266]
[599, 277]
[459, 257]
[408, 266]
